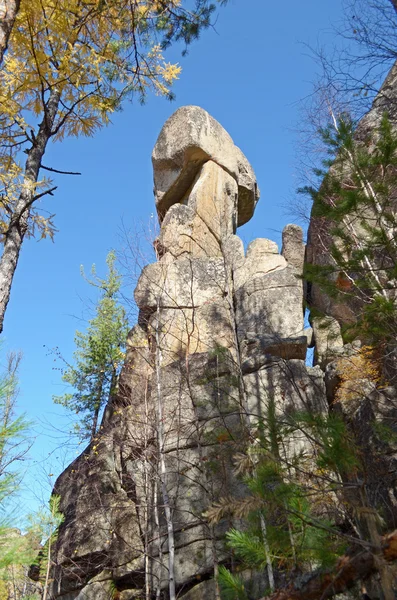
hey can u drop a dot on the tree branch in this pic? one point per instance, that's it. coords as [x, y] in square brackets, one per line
[58, 171]
[50, 192]
[349, 569]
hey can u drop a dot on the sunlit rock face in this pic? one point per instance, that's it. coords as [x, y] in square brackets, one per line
[367, 408]
[189, 139]
[220, 334]
[320, 237]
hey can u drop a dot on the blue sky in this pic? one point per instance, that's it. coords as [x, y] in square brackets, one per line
[250, 73]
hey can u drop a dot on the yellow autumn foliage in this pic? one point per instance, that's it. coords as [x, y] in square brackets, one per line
[94, 54]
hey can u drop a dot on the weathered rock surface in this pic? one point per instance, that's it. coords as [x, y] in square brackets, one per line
[320, 239]
[185, 283]
[214, 199]
[183, 232]
[293, 248]
[256, 349]
[327, 338]
[271, 304]
[220, 332]
[286, 387]
[187, 331]
[262, 257]
[190, 138]
[289, 385]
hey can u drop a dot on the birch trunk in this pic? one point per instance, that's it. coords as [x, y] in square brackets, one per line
[48, 570]
[8, 12]
[163, 468]
[158, 534]
[94, 422]
[269, 566]
[19, 222]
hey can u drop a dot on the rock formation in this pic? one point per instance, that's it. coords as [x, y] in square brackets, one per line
[220, 334]
[320, 232]
[220, 341]
[369, 410]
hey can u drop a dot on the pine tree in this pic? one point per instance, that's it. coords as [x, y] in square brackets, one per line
[355, 204]
[16, 550]
[293, 494]
[29, 553]
[14, 442]
[99, 355]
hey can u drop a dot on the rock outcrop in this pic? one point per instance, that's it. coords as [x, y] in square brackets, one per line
[360, 380]
[220, 335]
[220, 343]
[321, 236]
[189, 139]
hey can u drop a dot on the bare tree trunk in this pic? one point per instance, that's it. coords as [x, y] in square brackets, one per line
[163, 468]
[371, 519]
[269, 566]
[8, 12]
[98, 405]
[216, 564]
[48, 570]
[158, 533]
[94, 422]
[20, 219]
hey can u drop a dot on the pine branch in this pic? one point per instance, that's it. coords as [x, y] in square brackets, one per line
[349, 569]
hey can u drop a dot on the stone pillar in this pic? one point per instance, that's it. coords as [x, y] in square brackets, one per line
[214, 321]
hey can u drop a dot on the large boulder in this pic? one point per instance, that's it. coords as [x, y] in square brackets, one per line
[271, 304]
[262, 257]
[96, 502]
[188, 139]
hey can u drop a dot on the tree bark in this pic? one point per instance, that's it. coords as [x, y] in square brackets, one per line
[47, 571]
[19, 222]
[98, 404]
[349, 569]
[163, 468]
[8, 12]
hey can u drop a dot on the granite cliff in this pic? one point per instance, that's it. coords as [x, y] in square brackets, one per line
[220, 334]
